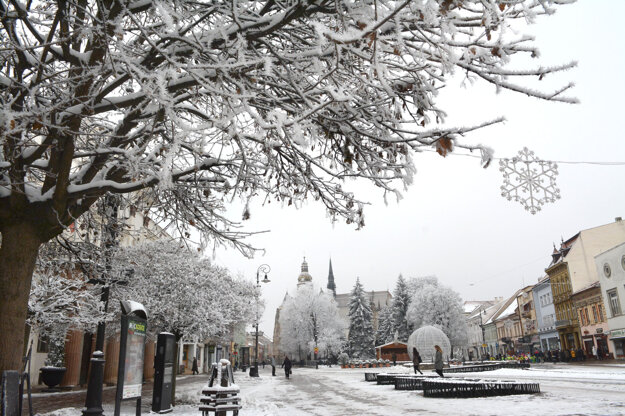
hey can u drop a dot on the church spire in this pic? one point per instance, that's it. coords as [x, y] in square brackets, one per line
[331, 284]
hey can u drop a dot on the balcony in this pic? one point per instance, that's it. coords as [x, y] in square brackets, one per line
[562, 323]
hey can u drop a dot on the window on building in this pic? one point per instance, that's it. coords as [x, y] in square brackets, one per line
[615, 306]
[594, 313]
[42, 344]
[600, 313]
[586, 316]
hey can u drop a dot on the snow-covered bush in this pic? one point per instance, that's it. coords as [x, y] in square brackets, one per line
[343, 358]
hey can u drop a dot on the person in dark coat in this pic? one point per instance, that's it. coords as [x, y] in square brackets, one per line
[287, 366]
[416, 360]
[394, 358]
[194, 367]
[438, 361]
[273, 365]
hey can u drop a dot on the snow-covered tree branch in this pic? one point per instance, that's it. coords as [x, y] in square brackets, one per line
[195, 103]
[311, 319]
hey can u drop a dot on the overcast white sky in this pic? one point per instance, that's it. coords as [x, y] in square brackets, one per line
[452, 222]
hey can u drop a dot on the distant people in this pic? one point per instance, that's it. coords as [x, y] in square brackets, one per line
[594, 352]
[287, 366]
[438, 361]
[394, 358]
[194, 367]
[416, 360]
[273, 366]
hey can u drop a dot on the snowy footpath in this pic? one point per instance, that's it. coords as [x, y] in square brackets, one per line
[565, 390]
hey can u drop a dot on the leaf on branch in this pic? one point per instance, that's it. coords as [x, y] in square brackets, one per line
[502, 6]
[496, 52]
[444, 145]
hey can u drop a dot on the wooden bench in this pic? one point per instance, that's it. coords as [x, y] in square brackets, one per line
[475, 388]
[412, 382]
[387, 378]
[371, 376]
[220, 400]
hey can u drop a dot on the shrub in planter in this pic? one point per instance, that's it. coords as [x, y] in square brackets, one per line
[54, 370]
[343, 359]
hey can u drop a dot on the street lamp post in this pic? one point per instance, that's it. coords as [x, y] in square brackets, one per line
[483, 338]
[264, 268]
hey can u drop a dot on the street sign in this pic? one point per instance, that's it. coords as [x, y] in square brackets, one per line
[484, 345]
[316, 350]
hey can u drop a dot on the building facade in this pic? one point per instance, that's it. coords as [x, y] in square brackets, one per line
[529, 340]
[545, 315]
[591, 317]
[573, 268]
[610, 267]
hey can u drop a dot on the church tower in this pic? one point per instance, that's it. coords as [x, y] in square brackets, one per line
[331, 284]
[304, 277]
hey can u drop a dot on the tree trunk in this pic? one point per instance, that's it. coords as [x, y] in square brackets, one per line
[18, 253]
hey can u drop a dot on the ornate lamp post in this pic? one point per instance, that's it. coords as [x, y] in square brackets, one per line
[264, 268]
[483, 338]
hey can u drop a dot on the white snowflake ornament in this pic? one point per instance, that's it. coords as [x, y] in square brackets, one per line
[529, 180]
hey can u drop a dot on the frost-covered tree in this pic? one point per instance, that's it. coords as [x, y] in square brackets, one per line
[361, 337]
[183, 293]
[311, 319]
[399, 308]
[60, 300]
[439, 306]
[385, 332]
[195, 103]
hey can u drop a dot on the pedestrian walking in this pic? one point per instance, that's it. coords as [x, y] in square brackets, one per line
[438, 361]
[263, 363]
[273, 366]
[594, 352]
[194, 367]
[394, 358]
[287, 366]
[416, 360]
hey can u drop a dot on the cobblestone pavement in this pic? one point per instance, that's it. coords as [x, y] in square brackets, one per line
[47, 402]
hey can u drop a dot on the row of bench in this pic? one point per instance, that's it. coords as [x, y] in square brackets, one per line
[434, 386]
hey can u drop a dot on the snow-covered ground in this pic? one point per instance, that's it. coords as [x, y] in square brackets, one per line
[565, 390]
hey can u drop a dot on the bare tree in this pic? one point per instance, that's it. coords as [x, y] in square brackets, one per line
[195, 103]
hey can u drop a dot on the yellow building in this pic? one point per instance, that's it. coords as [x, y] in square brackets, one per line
[573, 268]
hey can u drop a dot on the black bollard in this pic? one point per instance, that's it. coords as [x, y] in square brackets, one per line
[93, 402]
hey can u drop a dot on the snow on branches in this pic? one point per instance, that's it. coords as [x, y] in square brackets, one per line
[311, 319]
[183, 293]
[439, 306]
[361, 336]
[199, 101]
[61, 300]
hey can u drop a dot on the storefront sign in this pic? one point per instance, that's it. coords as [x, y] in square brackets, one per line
[618, 333]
